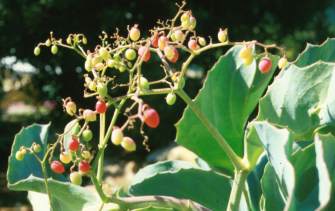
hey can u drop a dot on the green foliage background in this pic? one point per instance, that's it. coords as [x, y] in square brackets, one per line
[23, 23]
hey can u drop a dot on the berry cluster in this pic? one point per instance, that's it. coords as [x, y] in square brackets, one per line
[169, 41]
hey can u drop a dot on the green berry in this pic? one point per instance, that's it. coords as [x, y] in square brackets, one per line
[130, 54]
[102, 89]
[104, 54]
[86, 155]
[117, 136]
[282, 62]
[37, 148]
[87, 135]
[222, 35]
[19, 155]
[48, 43]
[144, 84]
[37, 51]
[185, 17]
[193, 23]
[76, 178]
[76, 129]
[179, 35]
[171, 98]
[54, 49]
[202, 41]
[71, 108]
[128, 144]
[69, 40]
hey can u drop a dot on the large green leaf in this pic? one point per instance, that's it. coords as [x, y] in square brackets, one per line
[230, 94]
[314, 53]
[301, 99]
[183, 180]
[26, 175]
[325, 162]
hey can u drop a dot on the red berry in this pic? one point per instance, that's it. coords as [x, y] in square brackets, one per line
[57, 167]
[154, 40]
[84, 167]
[151, 117]
[265, 65]
[192, 44]
[176, 56]
[144, 52]
[100, 107]
[74, 144]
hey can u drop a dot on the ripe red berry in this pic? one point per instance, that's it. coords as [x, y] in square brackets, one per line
[192, 44]
[151, 118]
[265, 65]
[144, 52]
[57, 167]
[74, 144]
[100, 107]
[84, 167]
[154, 40]
[176, 56]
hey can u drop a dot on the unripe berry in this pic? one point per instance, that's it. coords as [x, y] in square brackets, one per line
[48, 42]
[222, 35]
[100, 107]
[192, 23]
[57, 167]
[96, 59]
[88, 65]
[37, 148]
[74, 144]
[54, 49]
[179, 35]
[100, 66]
[134, 33]
[76, 129]
[19, 155]
[282, 62]
[128, 144]
[173, 37]
[86, 155]
[144, 84]
[154, 40]
[265, 65]
[71, 108]
[202, 41]
[37, 51]
[89, 115]
[84, 167]
[117, 136]
[151, 117]
[169, 52]
[246, 52]
[65, 157]
[76, 178]
[185, 17]
[104, 53]
[69, 40]
[87, 135]
[162, 42]
[102, 89]
[144, 52]
[130, 54]
[84, 39]
[192, 44]
[171, 98]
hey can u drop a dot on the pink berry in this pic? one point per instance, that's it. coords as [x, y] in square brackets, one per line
[100, 107]
[192, 44]
[74, 144]
[162, 42]
[265, 65]
[144, 52]
[57, 167]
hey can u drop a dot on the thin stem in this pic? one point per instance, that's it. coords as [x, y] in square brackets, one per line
[102, 118]
[45, 176]
[237, 189]
[234, 158]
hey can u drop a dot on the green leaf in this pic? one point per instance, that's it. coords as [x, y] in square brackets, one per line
[302, 99]
[314, 53]
[228, 97]
[153, 208]
[325, 162]
[26, 175]
[183, 180]
[273, 199]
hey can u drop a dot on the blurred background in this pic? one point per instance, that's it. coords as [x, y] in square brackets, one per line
[31, 88]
